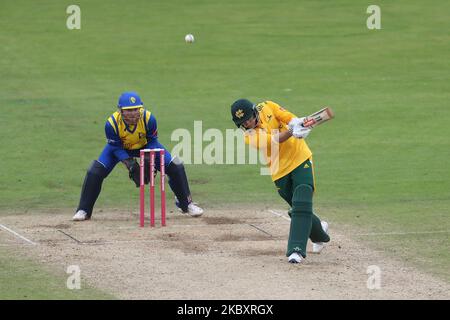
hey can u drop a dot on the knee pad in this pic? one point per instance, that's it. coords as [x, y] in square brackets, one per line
[91, 186]
[175, 169]
[98, 169]
[177, 161]
[179, 184]
[302, 199]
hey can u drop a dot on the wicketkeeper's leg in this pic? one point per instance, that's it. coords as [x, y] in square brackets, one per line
[179, 184]
[91, 187]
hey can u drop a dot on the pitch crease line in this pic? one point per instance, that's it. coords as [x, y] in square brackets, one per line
[17, 235]
[279, 215]
[401, 233]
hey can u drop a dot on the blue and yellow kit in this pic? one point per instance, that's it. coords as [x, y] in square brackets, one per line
[124, 141]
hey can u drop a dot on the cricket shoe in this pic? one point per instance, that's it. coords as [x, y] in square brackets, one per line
[318, 246]
[81, 215]
[295, 257]
[193, 209]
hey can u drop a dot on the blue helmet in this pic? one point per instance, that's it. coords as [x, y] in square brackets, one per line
[129, 100]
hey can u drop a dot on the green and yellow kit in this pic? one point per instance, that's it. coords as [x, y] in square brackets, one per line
[291, 153]
[292, 172]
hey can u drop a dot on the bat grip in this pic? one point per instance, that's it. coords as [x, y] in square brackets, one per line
[308, 122]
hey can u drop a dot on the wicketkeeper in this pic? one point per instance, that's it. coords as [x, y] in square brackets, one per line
[267, 126]
[129, 130]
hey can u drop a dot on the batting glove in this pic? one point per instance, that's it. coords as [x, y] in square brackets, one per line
[300, 132]
[295, 122]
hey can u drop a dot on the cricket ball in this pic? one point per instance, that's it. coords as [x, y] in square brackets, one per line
[189, 38]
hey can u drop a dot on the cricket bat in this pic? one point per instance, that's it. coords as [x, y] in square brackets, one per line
[318, 117]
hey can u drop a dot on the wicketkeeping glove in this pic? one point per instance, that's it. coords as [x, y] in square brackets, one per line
[133, 170]
[147, 169]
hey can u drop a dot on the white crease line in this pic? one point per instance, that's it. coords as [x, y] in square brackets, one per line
[374, 233]
[279, 215]
[274, 238]
[17, 235]
[401, 233]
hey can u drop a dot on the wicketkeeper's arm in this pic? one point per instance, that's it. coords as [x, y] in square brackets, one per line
[133, 170]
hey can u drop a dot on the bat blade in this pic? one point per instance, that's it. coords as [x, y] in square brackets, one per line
[318, 117]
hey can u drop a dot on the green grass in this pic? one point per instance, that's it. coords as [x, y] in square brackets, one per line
[23, 279]
[383, 159]
[415, 231]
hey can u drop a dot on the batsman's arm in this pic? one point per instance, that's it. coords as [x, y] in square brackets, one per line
[284, 117]
[263, 140]
[280, 113]
[282, 136]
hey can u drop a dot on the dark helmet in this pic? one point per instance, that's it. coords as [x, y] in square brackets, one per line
[243, 110]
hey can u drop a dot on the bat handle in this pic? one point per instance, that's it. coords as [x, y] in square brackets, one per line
[308, 122]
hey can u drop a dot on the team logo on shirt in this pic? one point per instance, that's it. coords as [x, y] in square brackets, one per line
[269, 117]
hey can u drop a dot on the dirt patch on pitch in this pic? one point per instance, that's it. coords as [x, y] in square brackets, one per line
[227, 254]
[220, 220]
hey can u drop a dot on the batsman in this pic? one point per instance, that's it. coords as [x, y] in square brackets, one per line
[270, 128]
[130, 129]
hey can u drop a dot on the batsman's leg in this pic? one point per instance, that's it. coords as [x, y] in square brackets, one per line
[284, 186]
[318, 234]
[301, 220]
[304, 174]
